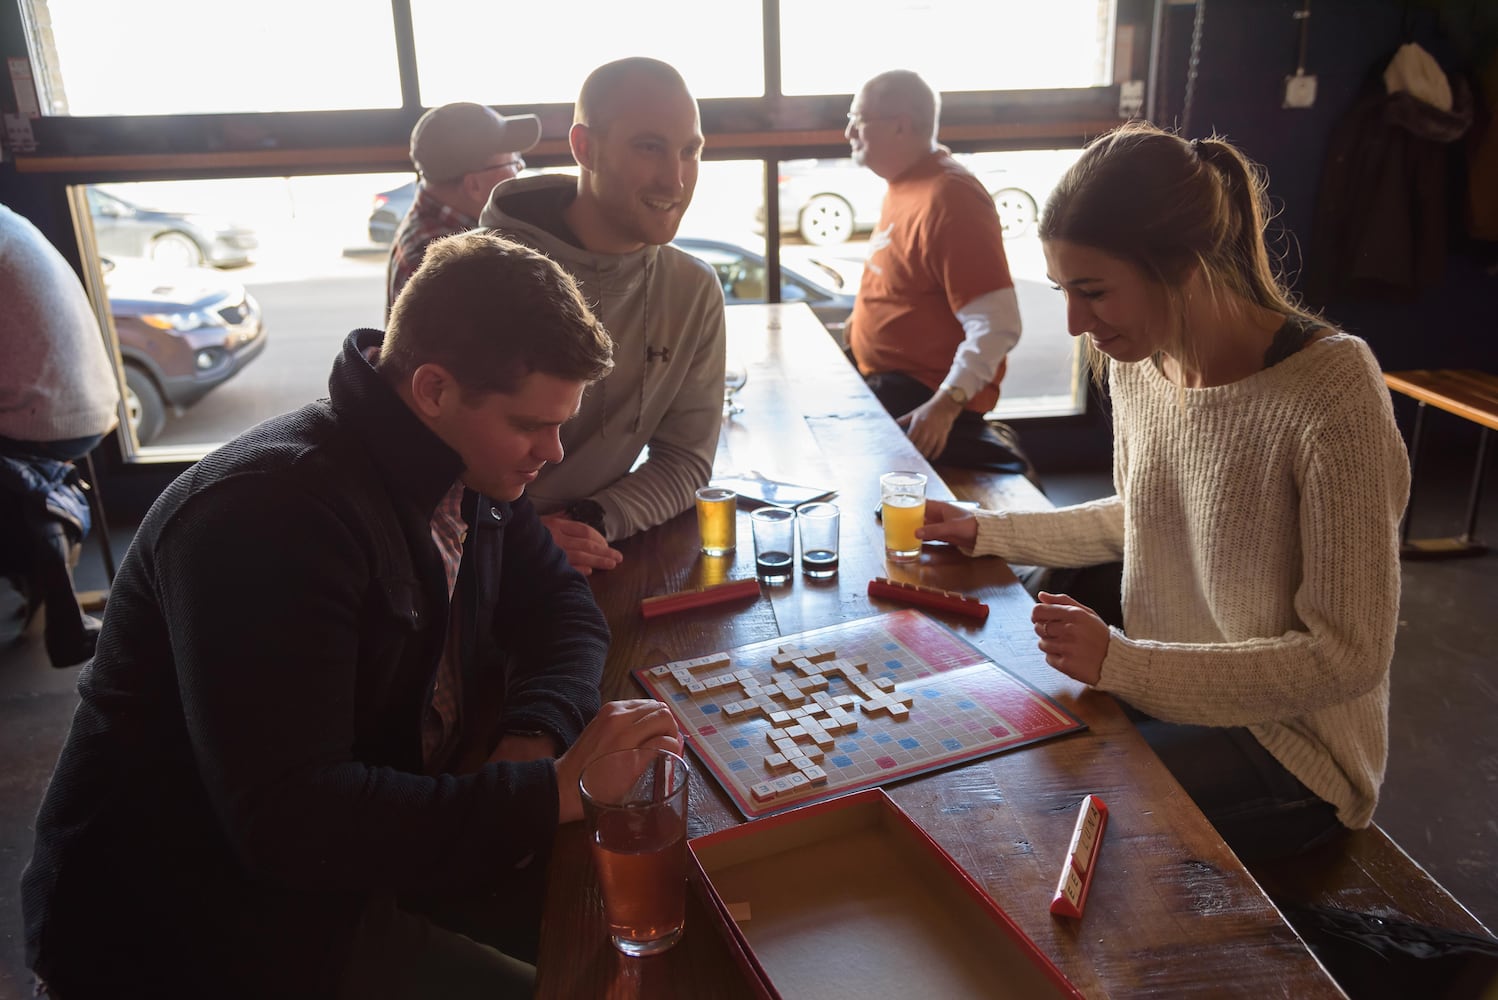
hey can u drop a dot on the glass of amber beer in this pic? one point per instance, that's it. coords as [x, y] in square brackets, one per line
[716, 509]
[635, 803]
[902, 499]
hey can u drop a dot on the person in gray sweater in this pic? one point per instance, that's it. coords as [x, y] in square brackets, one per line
[1260, 480]
[637, 140]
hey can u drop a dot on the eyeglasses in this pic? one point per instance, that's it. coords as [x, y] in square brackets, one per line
[517, 165]
[857, 120]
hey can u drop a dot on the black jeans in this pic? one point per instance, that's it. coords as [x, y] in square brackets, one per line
[1261, 810]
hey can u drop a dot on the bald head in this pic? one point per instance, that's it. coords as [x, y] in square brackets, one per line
[902, 92]
[609, 87]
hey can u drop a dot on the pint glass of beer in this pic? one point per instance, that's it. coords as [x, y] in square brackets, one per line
[902, 496]
[716, 509]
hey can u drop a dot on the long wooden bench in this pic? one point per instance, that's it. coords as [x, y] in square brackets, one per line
[1380, 923]
[1363, 872]
[1471, 395]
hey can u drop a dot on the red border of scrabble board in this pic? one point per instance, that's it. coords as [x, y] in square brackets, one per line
[906, 622]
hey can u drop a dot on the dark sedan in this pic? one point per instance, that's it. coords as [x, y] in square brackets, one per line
[742, 273]
[181, 333]
[389, 208]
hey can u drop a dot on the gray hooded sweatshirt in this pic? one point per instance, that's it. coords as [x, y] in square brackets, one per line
[664, 310]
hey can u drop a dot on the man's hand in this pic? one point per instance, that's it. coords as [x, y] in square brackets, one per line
[929, 424]
[586, 549]
[947, 522]
[1072, 637]
[619, 725]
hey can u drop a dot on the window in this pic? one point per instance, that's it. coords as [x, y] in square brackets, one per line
[230, 298]
[230, 294]
[172, 57]
[831, 46]
[536, 53]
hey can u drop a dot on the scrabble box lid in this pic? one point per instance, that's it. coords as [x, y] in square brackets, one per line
[851, 898]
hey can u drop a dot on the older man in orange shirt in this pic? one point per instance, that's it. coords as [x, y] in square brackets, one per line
[937, 312]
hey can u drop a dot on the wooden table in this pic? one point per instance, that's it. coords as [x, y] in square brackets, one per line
[1172, 911]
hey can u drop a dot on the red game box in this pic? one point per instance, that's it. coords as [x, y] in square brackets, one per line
[850, 898]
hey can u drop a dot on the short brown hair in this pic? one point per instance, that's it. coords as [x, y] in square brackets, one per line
[492, 311]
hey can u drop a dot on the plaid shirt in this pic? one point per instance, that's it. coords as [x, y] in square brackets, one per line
[428, 219]
[441, 723]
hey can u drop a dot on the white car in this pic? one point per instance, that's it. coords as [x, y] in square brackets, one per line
[831, 201]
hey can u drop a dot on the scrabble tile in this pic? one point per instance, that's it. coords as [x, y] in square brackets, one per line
[776, 762]
[815, 775]
[733, 709]
[697, 687]
[762, 792]
[884, 683]
[782, 786]
[661, 671]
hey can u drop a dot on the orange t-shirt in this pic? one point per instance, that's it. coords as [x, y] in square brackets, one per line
[938, 246]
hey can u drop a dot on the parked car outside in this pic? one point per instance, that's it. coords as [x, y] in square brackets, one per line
[181, 333]
[742, 273]
[173, 239]
[830, 201]
[389, 208]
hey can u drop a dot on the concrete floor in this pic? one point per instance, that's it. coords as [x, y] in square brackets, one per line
[1440, 797]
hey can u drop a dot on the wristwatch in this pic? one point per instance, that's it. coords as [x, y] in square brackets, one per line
[585, 511]
[955, 393]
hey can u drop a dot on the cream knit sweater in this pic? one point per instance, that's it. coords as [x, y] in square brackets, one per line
[1258, 527]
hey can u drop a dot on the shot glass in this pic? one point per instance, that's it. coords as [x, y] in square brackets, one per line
[902, 498]
[774, 543]
[715, 520]
[817, 524]
[635, 805]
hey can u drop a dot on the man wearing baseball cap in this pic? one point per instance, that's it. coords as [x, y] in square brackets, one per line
[461, 151]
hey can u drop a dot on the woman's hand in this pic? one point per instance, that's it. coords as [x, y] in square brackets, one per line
[947, 522]
[1072, 637]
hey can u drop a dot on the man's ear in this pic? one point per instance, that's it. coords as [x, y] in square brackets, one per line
[477, 189]
[580, 138]
[432, 389]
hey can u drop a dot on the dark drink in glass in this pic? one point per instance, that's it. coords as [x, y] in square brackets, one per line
[773, 566]
[819, 563]
[643, 895]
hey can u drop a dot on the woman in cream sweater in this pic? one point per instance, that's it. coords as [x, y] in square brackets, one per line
[1260, 479]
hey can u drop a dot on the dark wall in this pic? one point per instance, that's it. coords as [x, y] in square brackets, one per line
[1248, 47]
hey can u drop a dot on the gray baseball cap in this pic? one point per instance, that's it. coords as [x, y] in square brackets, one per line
[456, 139]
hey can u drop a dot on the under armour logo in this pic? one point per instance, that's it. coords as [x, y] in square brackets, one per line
[663, 354]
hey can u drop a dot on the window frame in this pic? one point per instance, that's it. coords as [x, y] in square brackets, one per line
[78, 150]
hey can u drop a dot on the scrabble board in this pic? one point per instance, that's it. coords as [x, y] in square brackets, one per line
[807, 717]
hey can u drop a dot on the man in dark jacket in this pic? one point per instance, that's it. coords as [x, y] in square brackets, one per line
[338, 666]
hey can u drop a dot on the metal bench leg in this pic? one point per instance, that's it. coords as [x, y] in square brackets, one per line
[1466, 544]
[101, 524]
